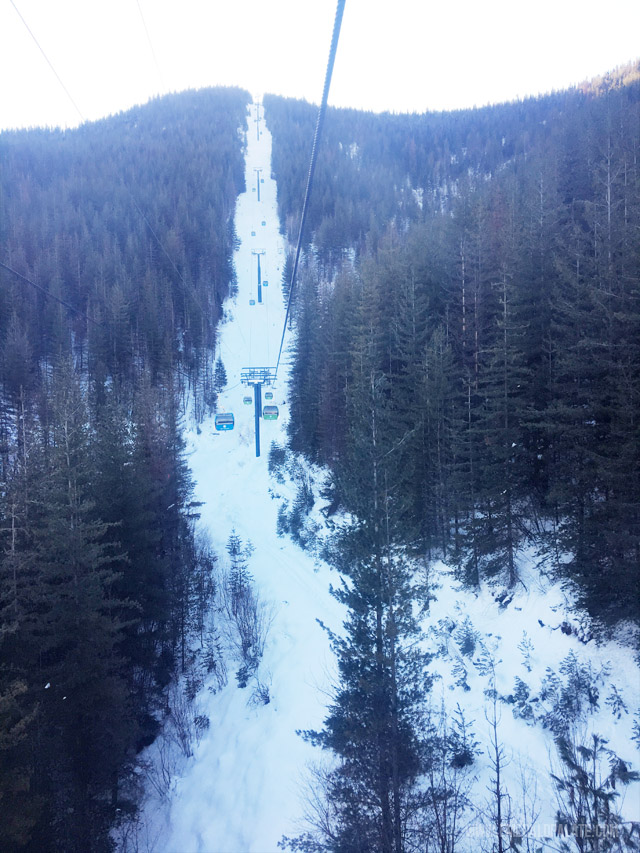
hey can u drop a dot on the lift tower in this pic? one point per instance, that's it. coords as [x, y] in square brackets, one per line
[258, 179]
[257, 121]
[257, 376]
[259, 252]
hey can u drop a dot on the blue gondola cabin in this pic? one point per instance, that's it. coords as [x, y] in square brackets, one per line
[268, 395]
[270, 413]
[225, 420]
[247, 401]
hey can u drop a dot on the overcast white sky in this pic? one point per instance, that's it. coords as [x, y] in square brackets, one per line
[399, 55]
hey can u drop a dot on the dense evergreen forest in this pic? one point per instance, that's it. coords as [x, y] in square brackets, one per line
[467, 365]
[117, 242]
[491, 323]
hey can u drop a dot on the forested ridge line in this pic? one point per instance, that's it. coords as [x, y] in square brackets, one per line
[129, 222]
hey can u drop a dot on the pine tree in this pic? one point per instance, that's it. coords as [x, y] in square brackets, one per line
[67, 638]
[125, 496]
[219, 376]
[500, 496]
[587, 790]
[372, 725]
[441, 501]
[306, 369]
[337, 310]
[240, 578]
[20, 810]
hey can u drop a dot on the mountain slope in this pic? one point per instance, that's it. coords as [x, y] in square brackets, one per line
[528, 656]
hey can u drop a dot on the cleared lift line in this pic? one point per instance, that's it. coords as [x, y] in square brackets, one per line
[259, 376]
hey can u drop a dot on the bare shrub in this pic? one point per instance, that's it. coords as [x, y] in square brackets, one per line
[450, 753]
[182, 728]
[213, 659]
[261, 694]
[320, 823]
[160, 769]
[248, 618]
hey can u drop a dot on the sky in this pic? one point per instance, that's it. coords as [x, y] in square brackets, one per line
[401, 56]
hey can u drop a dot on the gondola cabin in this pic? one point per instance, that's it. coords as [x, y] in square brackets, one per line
[270, 413]
[265, 283]
[225, 420]
[268, 395]
[247, 401]
[252, 302]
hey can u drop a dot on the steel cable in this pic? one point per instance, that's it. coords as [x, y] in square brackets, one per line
[312, 165]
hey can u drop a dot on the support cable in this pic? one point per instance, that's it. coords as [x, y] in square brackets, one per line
[49, 295]
[153, 53]
[77, 108]
[190, 292]
[86, 316]
[314, 154]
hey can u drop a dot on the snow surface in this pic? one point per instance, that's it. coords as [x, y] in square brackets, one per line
[536, 612]
[241, 790]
